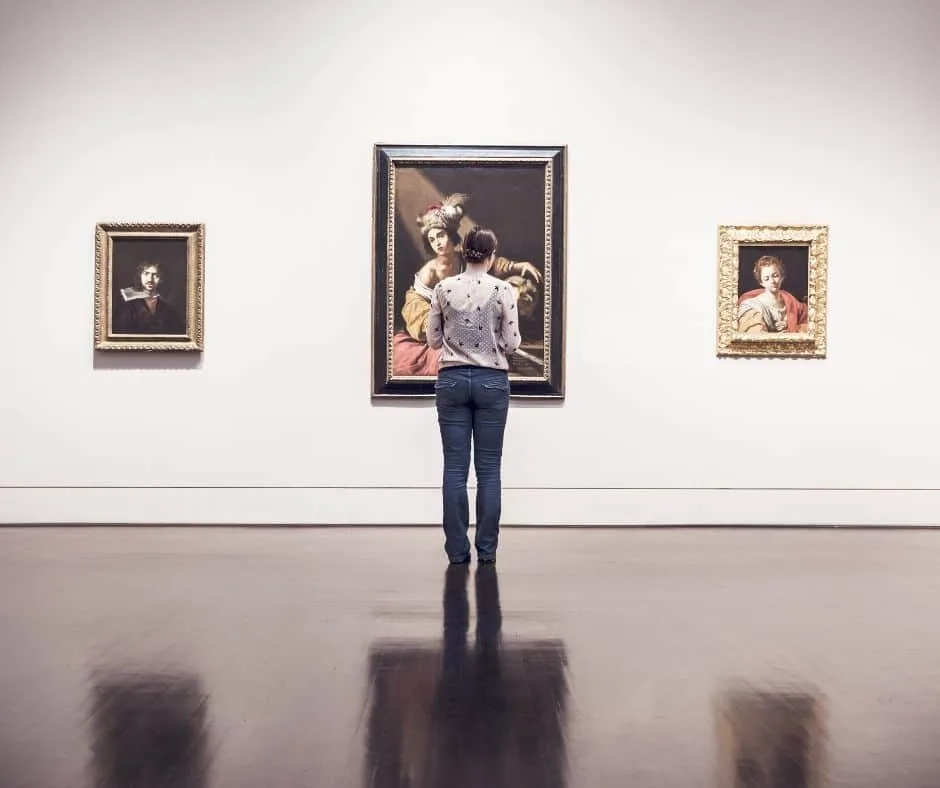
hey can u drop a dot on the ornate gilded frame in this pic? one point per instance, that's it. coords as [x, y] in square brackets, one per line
[389, 161]
[106, 233]
[810, 343]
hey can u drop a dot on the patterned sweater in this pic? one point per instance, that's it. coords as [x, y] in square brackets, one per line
[474, 319]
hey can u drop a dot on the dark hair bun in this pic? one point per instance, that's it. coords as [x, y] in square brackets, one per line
[479, 244]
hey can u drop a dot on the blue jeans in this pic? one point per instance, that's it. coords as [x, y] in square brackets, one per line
[472, 404]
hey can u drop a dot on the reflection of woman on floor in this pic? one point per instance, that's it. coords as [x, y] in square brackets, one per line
[439, 224]
[770, 309]
[473, 743]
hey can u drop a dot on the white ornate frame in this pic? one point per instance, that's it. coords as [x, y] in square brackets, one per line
[105, 338]
[731, 342]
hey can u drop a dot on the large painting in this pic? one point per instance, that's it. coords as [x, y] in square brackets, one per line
[149, 286]
[772, 291]
[425, 199]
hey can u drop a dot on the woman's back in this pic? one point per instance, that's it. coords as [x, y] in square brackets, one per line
[473, 318]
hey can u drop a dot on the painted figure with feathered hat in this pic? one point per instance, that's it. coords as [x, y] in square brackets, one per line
[440, 227]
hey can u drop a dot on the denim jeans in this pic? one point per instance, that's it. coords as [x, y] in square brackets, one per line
[472, 404]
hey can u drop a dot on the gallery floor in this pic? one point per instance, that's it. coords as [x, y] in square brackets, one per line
[241, 658]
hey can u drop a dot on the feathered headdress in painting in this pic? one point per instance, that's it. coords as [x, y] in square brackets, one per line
[444, 215]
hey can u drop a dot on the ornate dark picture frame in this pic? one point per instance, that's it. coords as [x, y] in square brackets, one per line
[520, 193]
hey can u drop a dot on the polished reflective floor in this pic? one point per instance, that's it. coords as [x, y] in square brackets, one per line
[355, 657]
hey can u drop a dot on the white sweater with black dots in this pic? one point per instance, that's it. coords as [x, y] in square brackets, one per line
[475, 320]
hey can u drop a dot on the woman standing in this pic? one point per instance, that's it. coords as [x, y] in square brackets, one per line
[474, 322]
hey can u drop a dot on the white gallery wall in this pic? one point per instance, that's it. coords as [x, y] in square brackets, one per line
[259, 119]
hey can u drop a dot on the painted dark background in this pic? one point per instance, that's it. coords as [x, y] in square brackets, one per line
[508, 197]
[170, 253]
[795, 258]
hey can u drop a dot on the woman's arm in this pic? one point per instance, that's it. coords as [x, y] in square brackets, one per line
[415, 313]
[509, 333]
[435, 322]
[503, 268]
[427, 274]
[751, 321]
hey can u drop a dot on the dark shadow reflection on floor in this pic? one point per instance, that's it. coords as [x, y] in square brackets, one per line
[449, 715]
[771, 738]
[149, 731]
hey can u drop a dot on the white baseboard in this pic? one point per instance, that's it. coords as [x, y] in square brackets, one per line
[421, 506]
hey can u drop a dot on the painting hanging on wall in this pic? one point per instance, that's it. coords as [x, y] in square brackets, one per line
[772, 290]
[149, 286]
[425, 200]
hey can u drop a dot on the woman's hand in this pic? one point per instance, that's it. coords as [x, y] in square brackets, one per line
[529, 270]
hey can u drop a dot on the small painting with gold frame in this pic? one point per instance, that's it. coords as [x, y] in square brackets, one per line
[149, 286]
[772, 290]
